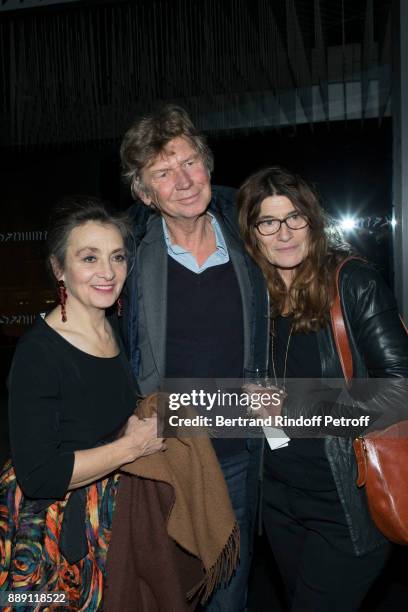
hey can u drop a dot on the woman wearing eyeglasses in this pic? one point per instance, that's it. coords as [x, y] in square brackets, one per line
[328, 550]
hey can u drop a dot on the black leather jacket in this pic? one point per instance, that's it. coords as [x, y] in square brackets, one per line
[379, 347]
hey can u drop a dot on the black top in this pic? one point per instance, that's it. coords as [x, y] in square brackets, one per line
[303, 463]
[61, 399]
[205, 337]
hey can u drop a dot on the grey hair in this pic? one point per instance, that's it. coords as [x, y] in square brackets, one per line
[148, 136]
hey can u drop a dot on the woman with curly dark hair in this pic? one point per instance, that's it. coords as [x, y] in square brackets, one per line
[328, 550]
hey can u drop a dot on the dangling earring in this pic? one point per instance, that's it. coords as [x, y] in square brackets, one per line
[119, 306]
[62, 294]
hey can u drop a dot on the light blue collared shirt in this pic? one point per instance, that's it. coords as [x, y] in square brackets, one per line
[186, 259]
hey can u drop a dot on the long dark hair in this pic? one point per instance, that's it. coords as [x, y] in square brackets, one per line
[311, 293]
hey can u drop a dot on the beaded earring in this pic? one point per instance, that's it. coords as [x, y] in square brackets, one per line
[119, 306]
[62, 295]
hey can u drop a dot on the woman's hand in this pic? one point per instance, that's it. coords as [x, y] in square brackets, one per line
[265, 401]
[140, 438]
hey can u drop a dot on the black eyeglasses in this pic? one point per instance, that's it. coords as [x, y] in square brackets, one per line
[267, 227]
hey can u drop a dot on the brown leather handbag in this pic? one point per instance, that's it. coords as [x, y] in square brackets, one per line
[382, 456]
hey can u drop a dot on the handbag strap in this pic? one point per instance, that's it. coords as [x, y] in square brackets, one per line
[346, 361]
[339, 328]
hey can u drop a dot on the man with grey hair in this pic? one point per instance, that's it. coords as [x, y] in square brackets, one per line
[196, 304]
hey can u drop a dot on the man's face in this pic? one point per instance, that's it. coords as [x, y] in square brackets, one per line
[177, 182]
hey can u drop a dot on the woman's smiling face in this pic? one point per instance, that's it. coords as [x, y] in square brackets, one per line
[95, 265]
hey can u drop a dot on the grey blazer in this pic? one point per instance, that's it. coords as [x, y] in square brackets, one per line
[145, 309]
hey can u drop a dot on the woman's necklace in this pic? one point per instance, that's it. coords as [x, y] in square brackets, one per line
[283, 388]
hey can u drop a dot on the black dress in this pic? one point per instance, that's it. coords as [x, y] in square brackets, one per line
[61, 399]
